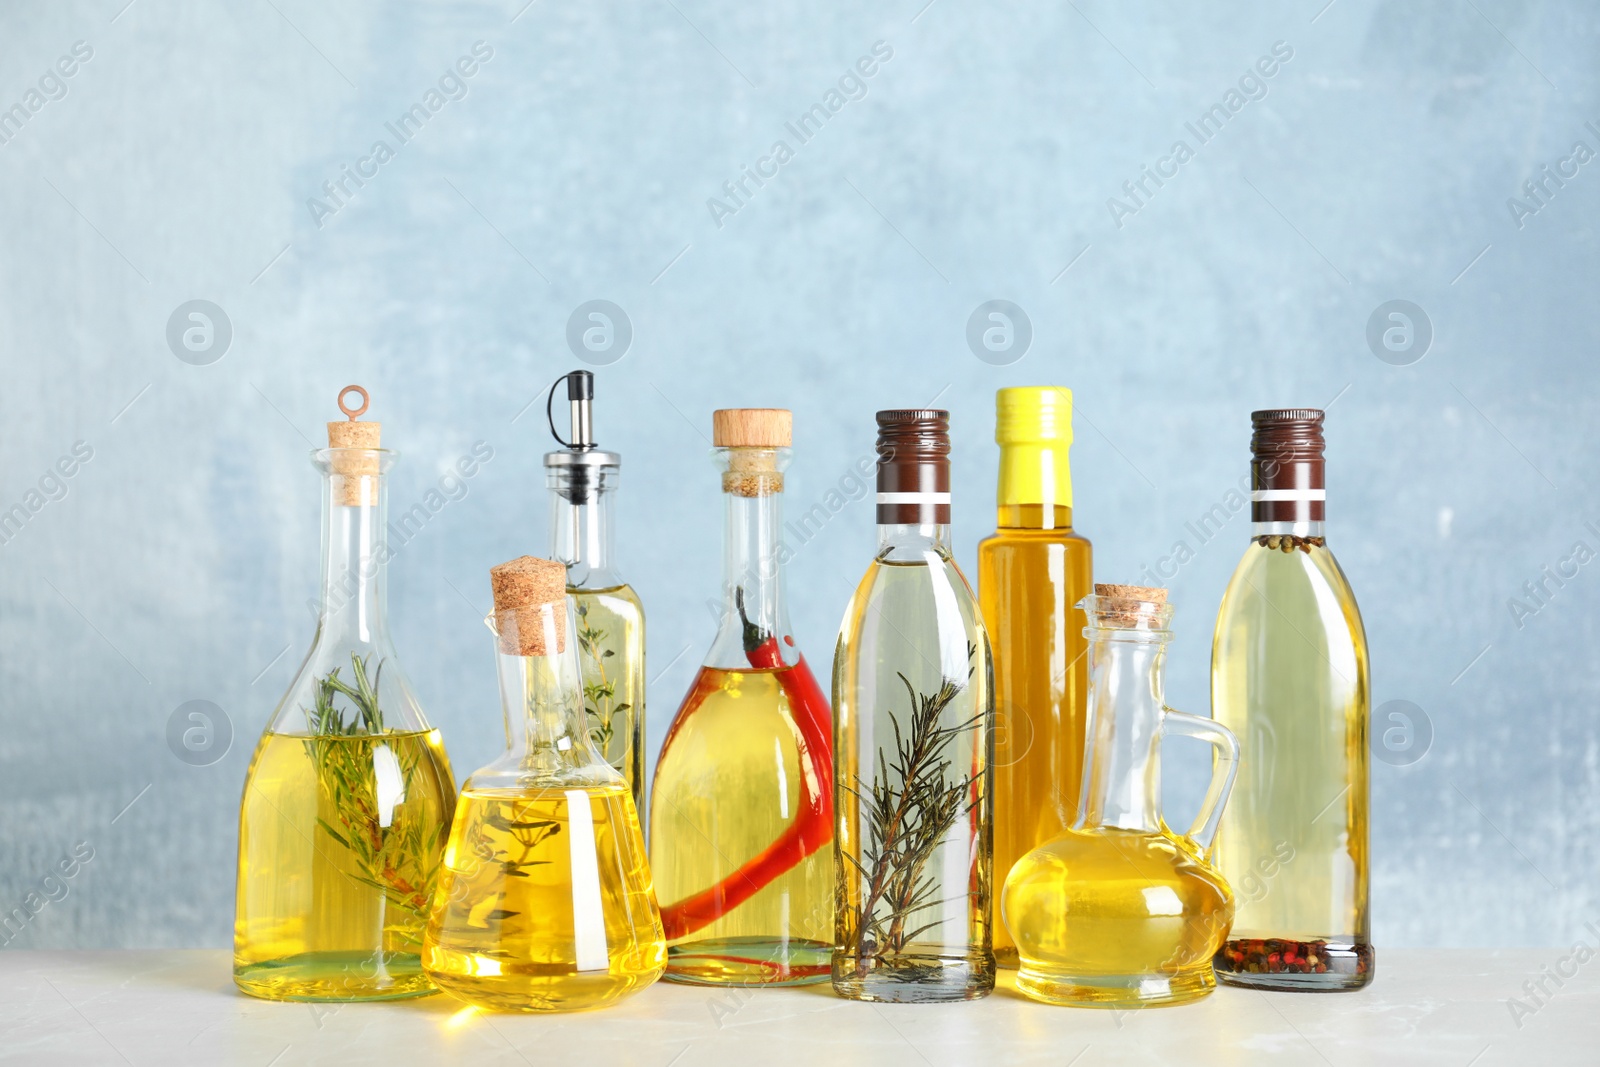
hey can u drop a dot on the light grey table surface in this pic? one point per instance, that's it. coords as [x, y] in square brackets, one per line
[179, 1007]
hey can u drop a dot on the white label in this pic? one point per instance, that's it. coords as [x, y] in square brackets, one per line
[913, 498]
[1264, 496]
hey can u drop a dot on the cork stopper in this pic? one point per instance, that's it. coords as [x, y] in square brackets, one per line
[521, 589]
[1130, 607]
[1150, 593]
[355, 473]
[755, 435]
[752, 428]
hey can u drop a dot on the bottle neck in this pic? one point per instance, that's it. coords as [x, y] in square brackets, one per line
[355, 557]
[1122, 762]
[754, 616]
[1035, 476]
[1033, 517]
[909, 542]
[1287, 529]
[1288, 493]
[581, 523]
[543, 701]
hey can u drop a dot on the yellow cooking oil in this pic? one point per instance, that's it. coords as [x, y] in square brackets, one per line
[1116, 918]
[545, 903]
[340, 841]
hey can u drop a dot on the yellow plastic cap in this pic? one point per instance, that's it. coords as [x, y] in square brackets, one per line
[1033, 414]
[1033, 425]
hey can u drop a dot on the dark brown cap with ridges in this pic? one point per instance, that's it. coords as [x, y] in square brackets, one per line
[913, 467]
[522, 589]
[1286, 468]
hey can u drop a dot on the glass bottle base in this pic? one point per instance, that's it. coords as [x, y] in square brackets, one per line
[522, 992]
[1115, 991]
[748, 961]
[913, 979]
[1295, 966]
[335, 976]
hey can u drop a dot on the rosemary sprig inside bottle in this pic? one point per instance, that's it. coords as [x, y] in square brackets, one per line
[356, 762]
[908, 808]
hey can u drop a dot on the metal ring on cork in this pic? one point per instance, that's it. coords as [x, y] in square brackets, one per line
[366, 402]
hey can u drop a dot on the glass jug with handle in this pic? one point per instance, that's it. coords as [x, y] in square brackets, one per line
[1121, 911]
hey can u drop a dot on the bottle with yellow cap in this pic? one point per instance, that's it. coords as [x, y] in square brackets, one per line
[1031, 575]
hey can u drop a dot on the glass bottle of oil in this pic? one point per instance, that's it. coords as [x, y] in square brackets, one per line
[1119, 911]
[545, 903]
[1031, 575]
[913, 693]
[741, 817]
[349, 794]
[610, 623]
[1289, 676]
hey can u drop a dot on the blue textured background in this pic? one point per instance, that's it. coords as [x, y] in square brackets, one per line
[977, 166]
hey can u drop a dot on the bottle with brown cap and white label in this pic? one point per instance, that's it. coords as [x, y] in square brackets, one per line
[582, 478]
[349, 794]
[1119, 910]
[545, 903]
[741, 812]
[1289, 676]
[913, 693]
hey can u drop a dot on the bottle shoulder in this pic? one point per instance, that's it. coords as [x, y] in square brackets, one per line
[1262, 570]
[619, 599]
[1024, 537]
[1048, 549]
[345, 687]
[1158, 856]
[1304, 584]
[932, 576]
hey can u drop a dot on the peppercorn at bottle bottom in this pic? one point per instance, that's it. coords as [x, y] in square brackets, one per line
[1295, 966]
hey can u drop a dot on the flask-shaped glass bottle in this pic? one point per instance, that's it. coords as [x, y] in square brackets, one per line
[1031, 575]
[741, 813]
[545, 902]
[610, 624]
[1289, 676]
[349, 794]
[1119, 911]
[913, 693]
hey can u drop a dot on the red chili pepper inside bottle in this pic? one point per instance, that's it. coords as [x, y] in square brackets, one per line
[741, 819]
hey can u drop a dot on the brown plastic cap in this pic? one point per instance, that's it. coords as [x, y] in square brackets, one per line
[522, 587]
[355, 474]
[752, 428]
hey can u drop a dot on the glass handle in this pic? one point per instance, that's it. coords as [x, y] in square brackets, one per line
[1224, 768]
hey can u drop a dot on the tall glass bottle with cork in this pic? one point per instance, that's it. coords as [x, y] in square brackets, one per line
[610, 620]
[1032, 573]
[349, 794]
[741, 813]
[913, 693]
[1289, 677]
[545, 901]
